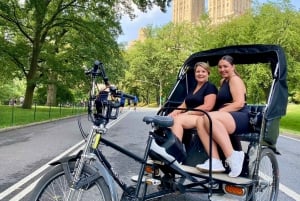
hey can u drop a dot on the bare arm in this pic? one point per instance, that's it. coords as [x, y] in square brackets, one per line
[176, 112]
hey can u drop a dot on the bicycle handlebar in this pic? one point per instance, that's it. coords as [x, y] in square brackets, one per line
[117, 93]
[98, 71]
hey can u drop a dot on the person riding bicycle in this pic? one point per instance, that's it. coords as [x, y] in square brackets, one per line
[135, 101]
[102, 97]
[122, 102]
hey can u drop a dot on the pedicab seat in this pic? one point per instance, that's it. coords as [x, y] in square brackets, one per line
[255, 121]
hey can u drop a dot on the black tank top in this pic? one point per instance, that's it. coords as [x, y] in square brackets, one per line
[224, 95]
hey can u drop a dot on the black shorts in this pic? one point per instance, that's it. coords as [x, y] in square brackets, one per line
[241, 119]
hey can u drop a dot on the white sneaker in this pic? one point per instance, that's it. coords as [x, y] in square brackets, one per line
[161, 151]
[217, 166]
[235, 162]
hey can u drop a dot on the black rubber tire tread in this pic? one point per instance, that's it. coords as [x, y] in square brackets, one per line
[57, 171]
[269, 153]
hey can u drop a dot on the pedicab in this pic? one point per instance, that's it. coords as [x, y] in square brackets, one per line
[89, 175]
[259, 179]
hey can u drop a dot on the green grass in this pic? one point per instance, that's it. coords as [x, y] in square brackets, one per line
[291, 122]
[15, 116]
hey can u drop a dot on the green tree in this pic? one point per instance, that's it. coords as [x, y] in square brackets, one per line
[156, 60]
[35, 30]
[163, 52]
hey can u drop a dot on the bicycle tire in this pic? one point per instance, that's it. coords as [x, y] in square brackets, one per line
[53, 186]
[268, 177]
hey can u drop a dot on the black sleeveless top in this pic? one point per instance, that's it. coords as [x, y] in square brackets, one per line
[196, 99]
[224, 95]
[241, 117]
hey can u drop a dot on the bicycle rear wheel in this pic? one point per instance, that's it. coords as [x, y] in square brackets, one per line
[54, 186]
[268, 177]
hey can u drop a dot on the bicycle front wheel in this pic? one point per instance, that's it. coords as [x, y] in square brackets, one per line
[54, 186]
[268, 177]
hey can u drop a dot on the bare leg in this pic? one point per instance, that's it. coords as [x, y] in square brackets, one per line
[222, 125]
[221, 137]
[181, 122]
[177, 129]
[203, 133]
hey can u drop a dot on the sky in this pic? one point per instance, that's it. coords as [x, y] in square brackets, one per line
[156, 18]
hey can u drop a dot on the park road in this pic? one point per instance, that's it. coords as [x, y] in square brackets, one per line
[24, 150]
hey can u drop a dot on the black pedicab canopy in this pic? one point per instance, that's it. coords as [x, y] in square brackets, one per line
[252, 54]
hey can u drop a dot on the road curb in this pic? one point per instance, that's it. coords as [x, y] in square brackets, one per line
[37, 123]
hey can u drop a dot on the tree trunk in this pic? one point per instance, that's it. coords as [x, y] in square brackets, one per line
[51, 95]
[28, 95]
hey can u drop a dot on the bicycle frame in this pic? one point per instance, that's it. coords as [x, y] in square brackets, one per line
[107, 170]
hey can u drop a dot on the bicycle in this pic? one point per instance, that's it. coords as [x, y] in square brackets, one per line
[90, 176]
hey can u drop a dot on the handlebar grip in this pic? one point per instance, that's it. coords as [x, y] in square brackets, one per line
[118, 93]
[128, 96]
[96, 66]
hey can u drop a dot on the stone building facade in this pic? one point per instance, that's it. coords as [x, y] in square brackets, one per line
[218, 10]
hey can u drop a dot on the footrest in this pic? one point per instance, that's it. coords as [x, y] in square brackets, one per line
[218, 176]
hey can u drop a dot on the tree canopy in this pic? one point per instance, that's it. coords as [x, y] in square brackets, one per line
[48, 41]
[161, 55]
[46, 44]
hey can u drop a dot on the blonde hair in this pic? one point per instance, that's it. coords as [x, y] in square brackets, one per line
[203, 65]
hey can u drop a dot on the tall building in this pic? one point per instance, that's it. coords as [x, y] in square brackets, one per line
[141, 37]
[218, 10]
[223, 10]
[187, 10]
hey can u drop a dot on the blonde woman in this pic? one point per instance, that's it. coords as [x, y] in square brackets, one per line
[202, 97]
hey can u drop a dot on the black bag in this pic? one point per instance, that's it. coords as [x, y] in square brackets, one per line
[165, 138]
[255, 117]
[196, 153]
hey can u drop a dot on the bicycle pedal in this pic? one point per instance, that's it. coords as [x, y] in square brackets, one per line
[154, 182]
[135, 178]
[146, 179]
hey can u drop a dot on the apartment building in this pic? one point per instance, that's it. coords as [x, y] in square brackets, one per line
[187, 10]
[223, 10]
[218, 10]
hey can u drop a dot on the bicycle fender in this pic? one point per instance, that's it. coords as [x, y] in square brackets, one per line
[67, 159]
[108, 179]
[101, 169]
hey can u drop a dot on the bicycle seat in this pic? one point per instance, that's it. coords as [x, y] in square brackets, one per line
[162, 121]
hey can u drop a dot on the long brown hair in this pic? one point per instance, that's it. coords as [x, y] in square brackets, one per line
[230, 60]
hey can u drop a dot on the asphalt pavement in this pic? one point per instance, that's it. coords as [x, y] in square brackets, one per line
[23, 150]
